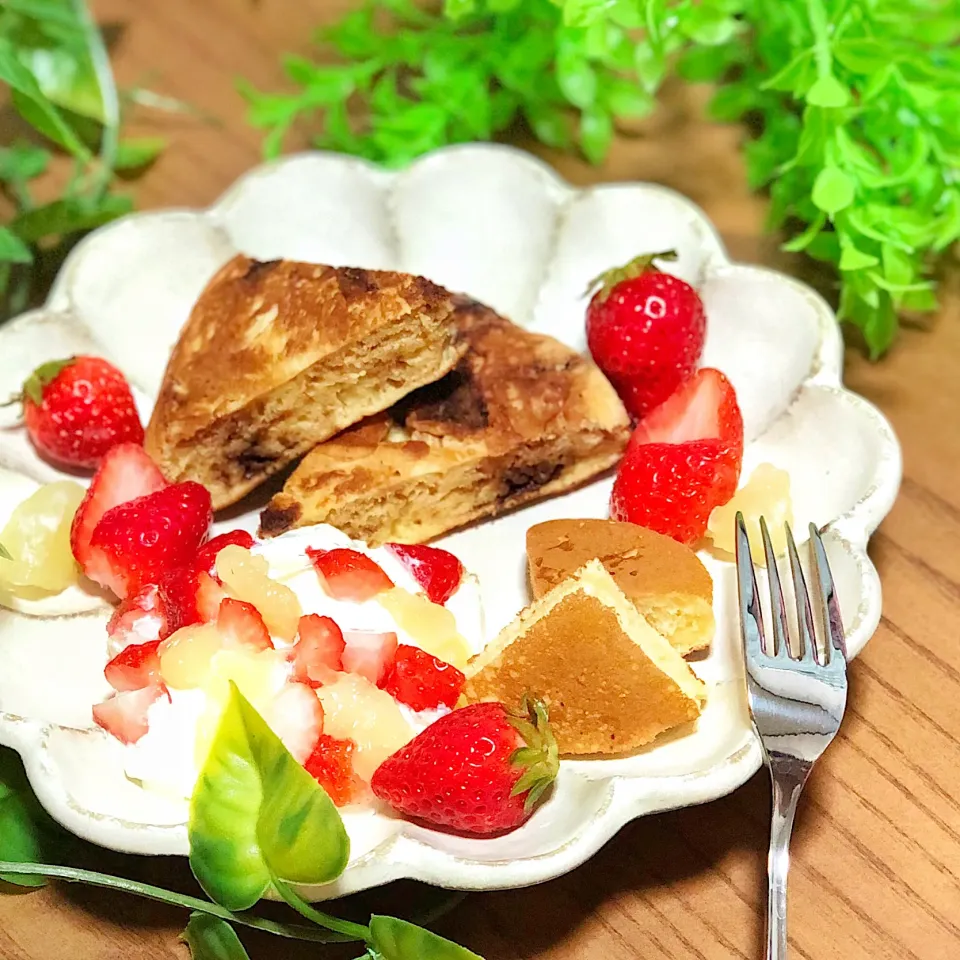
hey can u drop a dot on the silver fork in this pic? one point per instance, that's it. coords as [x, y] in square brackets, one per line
[796, 698]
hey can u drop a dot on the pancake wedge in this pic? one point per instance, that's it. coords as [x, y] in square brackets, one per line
[279, 356]
[520, 418]
[664, 579]
[610, 681]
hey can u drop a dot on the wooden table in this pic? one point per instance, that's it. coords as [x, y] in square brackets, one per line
[877, 848]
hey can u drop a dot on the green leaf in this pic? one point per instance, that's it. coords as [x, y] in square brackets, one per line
[66, 77]
[596, 134]
[627, 13]
[853, 258]
[72, 215]
[577, 79]
[395, 939]
[804, 239]
[650, 66]
[550, 125]
[833, 190]
[626, 99]
[456, 9]
[13, 250]
[136, 153]
[708, 27]
[581, 13]
[22, 162]
[828, 91]
[25, 828]
[256, 815]
[210, 938]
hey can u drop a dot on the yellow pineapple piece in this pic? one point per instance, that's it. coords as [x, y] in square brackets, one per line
[37, 537]
[186, 655]
[433, 626]
[245, 576]
[766, 494]
[353, 708]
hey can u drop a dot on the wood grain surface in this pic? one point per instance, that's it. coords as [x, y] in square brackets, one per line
[876, 853]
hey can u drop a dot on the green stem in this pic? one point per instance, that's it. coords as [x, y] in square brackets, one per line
[354, 931]
[73, 875]
[821, 48]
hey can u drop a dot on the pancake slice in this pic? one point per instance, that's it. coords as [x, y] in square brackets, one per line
[279, 356]
[610, 681]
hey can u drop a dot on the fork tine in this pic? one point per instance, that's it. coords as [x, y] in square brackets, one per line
[781, 643]
[829, 608]
[751, 616]
[808, 637]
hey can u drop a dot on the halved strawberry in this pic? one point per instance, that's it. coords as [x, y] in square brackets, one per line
[318, 652]
[124, 715]
[422, 681]
[178, 593]
[139, 619]
[210, 594]
[134, 667]
[125, 473]
[241, 626]
[296, 717]
[331, 765]
[139, 541]
[348, 574]
[438, 571]
[369, 655]
[207, 554]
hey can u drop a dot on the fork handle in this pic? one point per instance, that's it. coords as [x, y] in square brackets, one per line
[785, 797]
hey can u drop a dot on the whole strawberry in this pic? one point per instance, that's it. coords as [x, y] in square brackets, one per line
[478, 770]
[75, 410]
[645, 330]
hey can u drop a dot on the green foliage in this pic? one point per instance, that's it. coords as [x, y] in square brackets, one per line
[210, 938]
[55, 67]
[853, 104]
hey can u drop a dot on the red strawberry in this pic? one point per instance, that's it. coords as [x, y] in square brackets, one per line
[438, 571]
[421, 681]
[134, 667]
[369, 655]
[645, 330]
[125, 473]
[124, 715]
[296, 717]
[75, 410]
[477, 770]
[207, 554]
[348, 574]
[139, 541]
[139, 619]
[683, 460]
[210, 594]
[318, 651]
[331, 765]
[178, 593]
[241, 626]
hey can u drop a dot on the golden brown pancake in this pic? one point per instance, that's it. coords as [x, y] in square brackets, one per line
[520, 418]
[664, 579]
[279, 356]
[611, 683]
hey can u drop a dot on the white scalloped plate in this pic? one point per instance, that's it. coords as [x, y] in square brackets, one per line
[500, 226]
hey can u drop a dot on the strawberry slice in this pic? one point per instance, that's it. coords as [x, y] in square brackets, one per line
[318, 652]
[438, 571]
[422, 681]
[347, 574]
[124, 715]
[125, 473]
[139, 619]
[210, 594]
[369, 655]
[134, 667]
[331, 765]
[178, 593]
[207, 554]
[296, 717]
[241, 626]
[139, 541]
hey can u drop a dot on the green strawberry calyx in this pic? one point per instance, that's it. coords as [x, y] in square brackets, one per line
[636, 267]
[539, 756]
[44, 375]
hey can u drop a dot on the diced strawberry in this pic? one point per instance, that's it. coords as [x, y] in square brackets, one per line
[210, 594]
[348, 574]
[125, 473]
[438, 571]
[134, 667]
[139, 619]
[331, 765]
[369, 655]
[296, 717]
[241, 626]
[318, 652]
[139, 541]
[178, 593]
[124, 715]
[422, 681]
[207, 554]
